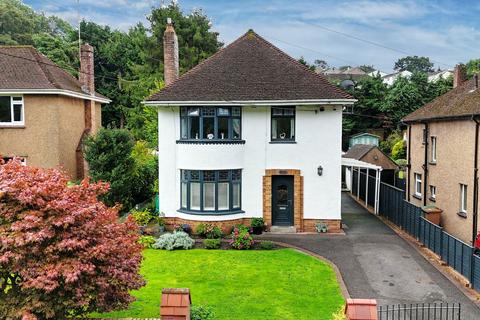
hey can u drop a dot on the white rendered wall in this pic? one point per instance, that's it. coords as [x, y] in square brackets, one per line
[318, 141]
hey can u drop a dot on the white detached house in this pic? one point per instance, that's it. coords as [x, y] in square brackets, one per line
[249, 132]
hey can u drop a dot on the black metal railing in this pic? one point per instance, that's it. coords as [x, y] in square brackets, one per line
[423, 311]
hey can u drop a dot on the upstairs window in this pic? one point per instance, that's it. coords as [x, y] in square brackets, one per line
[433, 193]
[434, 149]
[210, 123]
[211, 191]
[283, 124]
[11, 110]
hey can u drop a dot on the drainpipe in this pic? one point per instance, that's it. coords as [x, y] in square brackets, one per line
[475, 183]
[408, 161]
[425, 165]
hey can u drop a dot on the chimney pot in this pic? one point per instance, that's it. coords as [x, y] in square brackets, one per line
[170, 53]
[87, 73]
[459, 75]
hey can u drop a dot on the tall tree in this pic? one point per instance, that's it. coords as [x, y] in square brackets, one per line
[414, 64]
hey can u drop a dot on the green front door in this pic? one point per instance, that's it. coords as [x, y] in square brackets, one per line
[282, 200]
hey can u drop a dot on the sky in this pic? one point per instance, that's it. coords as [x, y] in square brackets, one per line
[446, 31]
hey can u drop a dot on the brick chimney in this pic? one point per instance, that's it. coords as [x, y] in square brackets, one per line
[170, 53]
[86, 76]
[459, 75]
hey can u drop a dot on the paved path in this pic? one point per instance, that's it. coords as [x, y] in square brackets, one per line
[376, 263]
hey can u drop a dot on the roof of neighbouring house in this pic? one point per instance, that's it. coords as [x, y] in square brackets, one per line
[358, 151]
[250, 69]
[460, 102]
[23, 68]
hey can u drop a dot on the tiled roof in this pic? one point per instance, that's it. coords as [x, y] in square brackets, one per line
[250, 69]
[358, 151]
[460, 102]
[24, 68]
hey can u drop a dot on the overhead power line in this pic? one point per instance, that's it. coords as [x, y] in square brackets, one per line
[370, 42]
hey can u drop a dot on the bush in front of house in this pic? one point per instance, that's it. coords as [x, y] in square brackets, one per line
[241, 239]
[267, 245]
[64, 254]
[212, 243]
[240, 227]
[147, 241]
[202, 313]
[175, 240]
[183, 228]
[209, 231]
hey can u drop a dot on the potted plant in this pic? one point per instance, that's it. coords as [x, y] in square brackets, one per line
[257, 225]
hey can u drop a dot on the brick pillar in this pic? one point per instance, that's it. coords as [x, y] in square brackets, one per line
[175, 304]
[170, 54]
[361, 309]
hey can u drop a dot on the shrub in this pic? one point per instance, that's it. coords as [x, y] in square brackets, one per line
[201, 313]
[63, 254]
[211, 243]
[147, 241]
[209, 231]
[240, 227]
[142, 218]
[175, 240]
[183, 227]
[257, 222]
[267, 245]
[241, 239]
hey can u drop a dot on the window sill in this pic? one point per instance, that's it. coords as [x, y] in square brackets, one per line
[416, 196]
[12, 126]
[210, 213]
[200, 141]
[433, 163]
[282, 142]
[462, 214]
[432, 199]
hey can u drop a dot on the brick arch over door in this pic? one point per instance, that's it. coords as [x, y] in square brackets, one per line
[297, 195]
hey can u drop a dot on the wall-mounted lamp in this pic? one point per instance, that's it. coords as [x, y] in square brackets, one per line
[320, 170]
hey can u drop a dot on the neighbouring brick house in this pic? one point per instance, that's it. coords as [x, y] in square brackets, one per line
[443, 146]
[249, 132]
[45, 113]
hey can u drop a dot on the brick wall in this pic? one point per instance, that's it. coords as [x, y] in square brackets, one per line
[225, 225]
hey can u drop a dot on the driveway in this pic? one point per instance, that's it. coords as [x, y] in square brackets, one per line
[377, 263]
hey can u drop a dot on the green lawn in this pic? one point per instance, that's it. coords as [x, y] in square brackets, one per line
[277, 284]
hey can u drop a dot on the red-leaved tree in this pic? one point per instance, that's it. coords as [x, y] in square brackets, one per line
[62, 252]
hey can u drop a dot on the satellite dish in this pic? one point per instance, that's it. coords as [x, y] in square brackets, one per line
[347, 84]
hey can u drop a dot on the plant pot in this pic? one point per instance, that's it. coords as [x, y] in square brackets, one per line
[257, 230]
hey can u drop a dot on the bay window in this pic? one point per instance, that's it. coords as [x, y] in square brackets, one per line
[11, 110]
[283, 124]
[210, 191]
[210, 123]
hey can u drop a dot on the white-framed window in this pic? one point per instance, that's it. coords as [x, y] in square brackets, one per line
[463, 198]
[434, 149]
[418, 184]
[11, 110]
[433, 192]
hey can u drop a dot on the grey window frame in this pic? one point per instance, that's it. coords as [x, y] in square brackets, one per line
[184, 115]
[186, 177]
[272, 117]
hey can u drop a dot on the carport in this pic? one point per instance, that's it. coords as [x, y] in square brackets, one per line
[363, 181]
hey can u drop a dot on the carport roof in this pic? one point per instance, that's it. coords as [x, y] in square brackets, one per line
[349, 162]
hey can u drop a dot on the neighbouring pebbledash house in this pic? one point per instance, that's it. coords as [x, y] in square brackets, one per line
[249, 132]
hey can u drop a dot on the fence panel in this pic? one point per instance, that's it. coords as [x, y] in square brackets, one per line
[371, 190]
[363, 186]
[431, 235]
[476, 272]
[457, 254]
